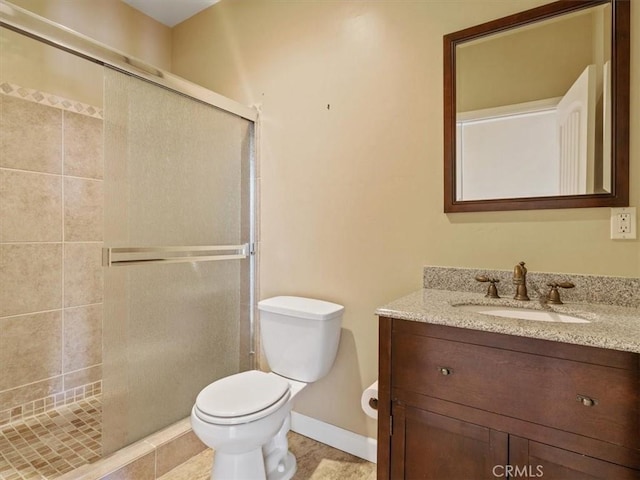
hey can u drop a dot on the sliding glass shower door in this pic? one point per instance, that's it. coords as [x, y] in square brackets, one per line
[176, 257]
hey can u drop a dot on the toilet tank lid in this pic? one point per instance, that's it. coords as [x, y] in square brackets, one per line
[308, 308]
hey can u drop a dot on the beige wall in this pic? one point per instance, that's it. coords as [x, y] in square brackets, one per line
[31, 64]
[352, 193]
[111, 22]
[523, 65]
[28, 63]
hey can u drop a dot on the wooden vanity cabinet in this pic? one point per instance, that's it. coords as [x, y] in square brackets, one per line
[463, 404]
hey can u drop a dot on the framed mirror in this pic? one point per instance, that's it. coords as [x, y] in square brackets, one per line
[536, 109]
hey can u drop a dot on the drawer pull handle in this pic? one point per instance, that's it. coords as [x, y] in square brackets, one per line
[445, 370]
[586, 401]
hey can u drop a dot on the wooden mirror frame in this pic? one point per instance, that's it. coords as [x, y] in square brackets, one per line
[619, 196]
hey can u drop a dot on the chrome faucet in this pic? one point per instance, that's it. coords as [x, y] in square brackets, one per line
[520, 281]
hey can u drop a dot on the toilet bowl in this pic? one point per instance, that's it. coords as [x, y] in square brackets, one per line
[245, 417]
[238, 416]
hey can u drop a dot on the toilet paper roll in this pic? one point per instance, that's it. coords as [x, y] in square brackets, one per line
[369, 400]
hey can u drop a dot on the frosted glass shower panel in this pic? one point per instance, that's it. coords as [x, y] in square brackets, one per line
[180, 163]
[176, 175]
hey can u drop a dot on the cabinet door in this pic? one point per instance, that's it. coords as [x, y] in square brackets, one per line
[426, 445]
[532, 459]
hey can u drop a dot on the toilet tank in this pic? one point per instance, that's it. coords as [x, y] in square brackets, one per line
[300, 336]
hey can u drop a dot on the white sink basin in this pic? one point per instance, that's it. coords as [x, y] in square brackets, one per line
[523, 313]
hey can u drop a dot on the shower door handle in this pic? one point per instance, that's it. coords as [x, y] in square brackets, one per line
[117, 256]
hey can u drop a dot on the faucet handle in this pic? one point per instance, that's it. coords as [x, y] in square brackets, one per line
[554, 295]
[492, 291]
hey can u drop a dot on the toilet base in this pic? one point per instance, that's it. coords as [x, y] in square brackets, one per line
[245, 466]
[250, 466]
[285, 470]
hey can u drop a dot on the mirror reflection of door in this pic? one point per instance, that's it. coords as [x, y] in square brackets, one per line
[541, 148]
[576, 128]
[532, 108]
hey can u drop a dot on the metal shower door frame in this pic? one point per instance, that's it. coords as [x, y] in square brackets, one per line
[58, 36]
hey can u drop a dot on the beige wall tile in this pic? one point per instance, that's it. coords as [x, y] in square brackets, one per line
[30, 392]
[31, 136]
[30, 278]
[30, 207]
[83, 155]
[82, 274]
[177, 451]
[83, 206]
[82, 377]
[82, 337]
[140, 469]
[30, 348]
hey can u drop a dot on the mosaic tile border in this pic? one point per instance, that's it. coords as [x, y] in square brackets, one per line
[50, 100]
[41, 405]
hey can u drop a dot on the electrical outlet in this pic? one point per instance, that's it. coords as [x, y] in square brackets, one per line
[624, 220]
[623, 223]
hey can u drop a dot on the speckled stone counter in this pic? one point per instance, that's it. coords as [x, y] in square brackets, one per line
[610, 326]
[622, 291]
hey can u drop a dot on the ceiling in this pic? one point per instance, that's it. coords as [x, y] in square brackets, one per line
[170, 12]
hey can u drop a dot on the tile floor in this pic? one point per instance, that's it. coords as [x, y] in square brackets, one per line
[50, 444]
[316, 461]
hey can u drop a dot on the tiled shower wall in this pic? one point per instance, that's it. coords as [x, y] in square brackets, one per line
[51, 207]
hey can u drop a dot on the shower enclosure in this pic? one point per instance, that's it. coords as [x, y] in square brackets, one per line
[126, 246]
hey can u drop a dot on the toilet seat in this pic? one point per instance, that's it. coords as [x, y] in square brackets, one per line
[242, 398]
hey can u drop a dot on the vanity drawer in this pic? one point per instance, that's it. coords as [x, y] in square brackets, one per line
[550, 391]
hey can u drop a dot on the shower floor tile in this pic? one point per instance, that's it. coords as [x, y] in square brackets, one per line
[52, 443]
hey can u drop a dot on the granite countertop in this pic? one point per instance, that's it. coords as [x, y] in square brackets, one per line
[611, 326]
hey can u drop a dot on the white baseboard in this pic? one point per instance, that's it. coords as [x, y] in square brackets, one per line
[336, 437]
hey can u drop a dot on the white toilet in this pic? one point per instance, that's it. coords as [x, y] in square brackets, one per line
[245, 417]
